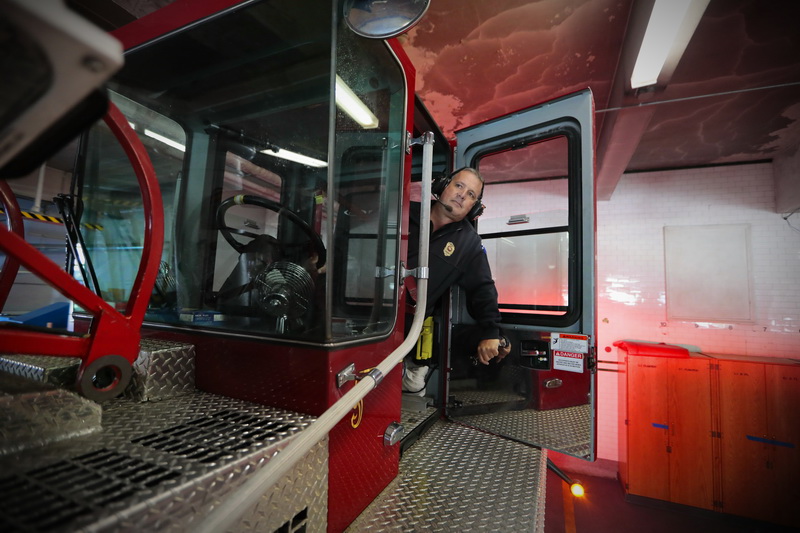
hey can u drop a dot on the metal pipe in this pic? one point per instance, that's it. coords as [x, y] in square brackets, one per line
[560, 473]
[249, 493]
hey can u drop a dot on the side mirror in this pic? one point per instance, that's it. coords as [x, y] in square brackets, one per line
[383, 19]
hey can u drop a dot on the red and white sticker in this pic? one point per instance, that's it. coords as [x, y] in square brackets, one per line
[569, 342]
[568, 361]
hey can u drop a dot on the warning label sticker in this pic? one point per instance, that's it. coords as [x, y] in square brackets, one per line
[569, 361]
[569, 342]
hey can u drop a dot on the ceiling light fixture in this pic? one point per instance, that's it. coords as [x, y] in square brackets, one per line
[165, 140]
[671, 25]
[351, 104]
[293, 156]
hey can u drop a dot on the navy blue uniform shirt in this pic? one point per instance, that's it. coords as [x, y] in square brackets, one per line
[457, 257]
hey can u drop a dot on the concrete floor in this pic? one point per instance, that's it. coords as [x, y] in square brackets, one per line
[604, 510]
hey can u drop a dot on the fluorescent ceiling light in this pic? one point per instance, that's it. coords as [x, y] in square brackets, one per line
[297, 158]
[669, 29]
[347, 100]
[165, 140]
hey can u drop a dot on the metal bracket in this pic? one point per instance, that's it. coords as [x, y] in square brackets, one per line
[425, 138]
[591, 360]
[419, 272]
[349, 374]
[384, 272]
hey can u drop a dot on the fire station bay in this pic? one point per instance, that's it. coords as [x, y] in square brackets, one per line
[399, 265]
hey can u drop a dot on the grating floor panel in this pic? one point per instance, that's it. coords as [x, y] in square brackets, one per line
[158, 466]
[458, 479]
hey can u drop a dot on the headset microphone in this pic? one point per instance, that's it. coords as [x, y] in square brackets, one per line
[448, 208]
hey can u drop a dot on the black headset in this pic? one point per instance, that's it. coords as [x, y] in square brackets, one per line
[441, 183]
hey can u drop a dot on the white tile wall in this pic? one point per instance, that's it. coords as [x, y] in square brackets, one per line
[630, 268]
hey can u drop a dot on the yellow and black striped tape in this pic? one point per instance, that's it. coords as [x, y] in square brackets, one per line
[53, 220]
[124, 203]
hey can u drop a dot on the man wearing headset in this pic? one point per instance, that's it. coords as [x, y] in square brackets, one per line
[457, 257]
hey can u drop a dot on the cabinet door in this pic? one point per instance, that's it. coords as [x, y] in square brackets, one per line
[690, 442]
[648, 423]
[783, 431]
[745, 478]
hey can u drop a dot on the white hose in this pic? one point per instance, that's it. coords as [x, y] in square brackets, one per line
[243, 498]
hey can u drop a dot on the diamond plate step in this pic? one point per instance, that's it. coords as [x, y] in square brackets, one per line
[163, 369]
[459, 479]
[35, 414]
[163, 466]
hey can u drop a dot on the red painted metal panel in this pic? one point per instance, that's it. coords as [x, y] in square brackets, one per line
[360, 465]
[573, 390]
[303, 379]
[655, 349]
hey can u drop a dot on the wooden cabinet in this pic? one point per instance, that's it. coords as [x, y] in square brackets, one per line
[783, 411]
[713, 431]
[691, 455]
[760, 435]
[668, 426]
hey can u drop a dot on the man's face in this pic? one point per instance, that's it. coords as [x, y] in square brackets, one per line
[461, 194]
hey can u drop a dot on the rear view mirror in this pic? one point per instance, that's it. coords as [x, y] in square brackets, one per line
[383, 19]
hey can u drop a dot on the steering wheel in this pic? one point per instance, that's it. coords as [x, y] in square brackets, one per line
[249, 199]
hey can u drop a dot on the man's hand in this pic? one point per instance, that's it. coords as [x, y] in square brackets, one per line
[488, 349]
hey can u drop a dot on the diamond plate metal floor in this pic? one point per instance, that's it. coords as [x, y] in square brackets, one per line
[568, 430]
[412, 419]
[459, 479]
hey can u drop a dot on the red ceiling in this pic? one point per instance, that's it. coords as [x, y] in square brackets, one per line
[734, 97]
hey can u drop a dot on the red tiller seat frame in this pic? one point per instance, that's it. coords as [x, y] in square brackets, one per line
[108, 350]
[15, 223]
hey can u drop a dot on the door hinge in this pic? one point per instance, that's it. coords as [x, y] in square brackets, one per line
[669, 449]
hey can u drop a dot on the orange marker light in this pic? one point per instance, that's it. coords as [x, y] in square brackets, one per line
[577, 490]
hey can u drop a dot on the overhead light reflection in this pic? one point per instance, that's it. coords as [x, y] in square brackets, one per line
[165, 140]
[351, 104]
[293, 156]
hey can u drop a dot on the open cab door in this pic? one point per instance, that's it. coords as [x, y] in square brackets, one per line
[538, 230]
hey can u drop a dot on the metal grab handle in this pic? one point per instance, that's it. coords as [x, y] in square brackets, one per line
[240, 500]
[504, 342]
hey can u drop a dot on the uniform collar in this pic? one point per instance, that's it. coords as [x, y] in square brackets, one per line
[452, 227]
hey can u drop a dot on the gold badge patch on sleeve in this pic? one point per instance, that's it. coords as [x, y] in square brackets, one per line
[449, 248]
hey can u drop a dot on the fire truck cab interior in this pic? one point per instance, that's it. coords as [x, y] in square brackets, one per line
[284, 144]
